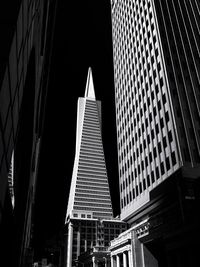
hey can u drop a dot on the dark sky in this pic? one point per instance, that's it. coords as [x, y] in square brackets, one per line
[83, 38]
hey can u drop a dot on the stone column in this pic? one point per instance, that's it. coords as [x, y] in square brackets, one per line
[78, 241]
[124, 259]
[94, 264]
[130, 260]
[106, 262]
[85, 245]
[112, 261]
[118, 260]
[69, 244]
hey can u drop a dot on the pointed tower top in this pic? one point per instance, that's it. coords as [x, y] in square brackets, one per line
[89, 90]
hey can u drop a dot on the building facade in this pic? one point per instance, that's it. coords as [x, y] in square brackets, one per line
[89, 219]
[25, 51]
[156, 74]
[89, 188]
[127, 249]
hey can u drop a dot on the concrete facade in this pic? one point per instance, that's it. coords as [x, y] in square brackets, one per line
[127, 250]
[156, 75]
[155, 138]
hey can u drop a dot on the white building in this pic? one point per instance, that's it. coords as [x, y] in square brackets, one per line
[89, 216]
[157, 85]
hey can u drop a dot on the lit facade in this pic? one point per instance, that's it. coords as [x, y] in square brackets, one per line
[127, 250]
[89, 216]
[89, 190]
[156, 76]
[157, 115]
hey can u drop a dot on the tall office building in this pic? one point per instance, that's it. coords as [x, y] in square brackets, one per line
[26, 28]
[89, 216]
[89, 188]
[157, 94]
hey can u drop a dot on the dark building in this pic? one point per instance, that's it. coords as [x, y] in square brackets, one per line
[157, 94]
[26, 29]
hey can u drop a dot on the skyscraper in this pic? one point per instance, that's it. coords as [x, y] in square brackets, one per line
[157, 85]
[25, 53]
[89, 214]
[89, 188]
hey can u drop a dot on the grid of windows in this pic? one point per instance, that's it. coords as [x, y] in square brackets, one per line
[180, 39]
[145, 128]
[87, 168]
[90, 189]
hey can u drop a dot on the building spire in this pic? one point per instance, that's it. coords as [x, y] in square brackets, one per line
[89, 90]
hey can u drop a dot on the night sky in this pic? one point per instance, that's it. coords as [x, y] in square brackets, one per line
[83, 38]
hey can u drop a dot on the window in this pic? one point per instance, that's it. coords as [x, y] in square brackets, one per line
[157, 89]
[130, 196]
[157, 129]
[148, 180]
[140, 187]
[167, 163]
[161, 123]
[145, 144]
[154, 152]
[164, 99]
[136, 188]
[170, 136]
[133, 193]
[152, 95]
[157, 173]
[154, 112]
[144, 184]
[154, 39]
[167, 116]
[127, 197]
[164, 142]
[124, 201]
[150, 157]
[139, 170]
[159, 66]
[162, 168]
[173, 158]
[142, 163]
[159, 105]
[161, 82]
[145, 107]
[152, 177]
[148, 139]
[152, 134]
[140, 148]
[150, 117]
[159, 147]
[156, 52]
[146, 161]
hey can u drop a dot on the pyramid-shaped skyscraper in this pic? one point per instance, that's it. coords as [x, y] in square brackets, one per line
[89, 220]
[89, 192]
